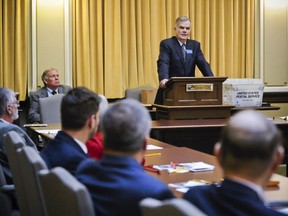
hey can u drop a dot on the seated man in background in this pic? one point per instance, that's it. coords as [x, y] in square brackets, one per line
[117, 182]
[50, 78]
[79, 119]
[9, 113]
[249, 151]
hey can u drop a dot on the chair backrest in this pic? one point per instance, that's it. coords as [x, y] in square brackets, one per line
[25, 163]
[13, 142]
[30, 164]
[64, 194]
[171, 207]
[2, 177]
[135, 93]
[50, 109]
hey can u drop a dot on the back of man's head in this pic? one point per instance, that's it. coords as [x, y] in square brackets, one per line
[77, 106]
[125, 126]
[6, 97]
[248, 143]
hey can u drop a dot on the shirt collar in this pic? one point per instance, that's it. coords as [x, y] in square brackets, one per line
[255, 187]
[180, 43]
[82, 145]
[50, 91]
[4, 121]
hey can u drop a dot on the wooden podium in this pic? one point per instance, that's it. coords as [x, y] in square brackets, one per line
[193, 98]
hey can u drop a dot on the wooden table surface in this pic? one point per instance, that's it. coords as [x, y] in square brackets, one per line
[170, 153]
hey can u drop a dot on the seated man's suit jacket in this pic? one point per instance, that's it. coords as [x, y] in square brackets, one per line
[228, 198]
[117, 184]
[171, 62]
[5, 128]
[63, 151]
[34, 111]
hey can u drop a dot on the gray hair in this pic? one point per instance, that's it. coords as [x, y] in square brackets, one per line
[44, 75]
[181, 19]
[249, 142]
[125, 125]
[6, 98]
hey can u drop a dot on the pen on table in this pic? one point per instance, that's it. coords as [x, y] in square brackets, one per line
[150, 168]
[153, 154]
[272, 183]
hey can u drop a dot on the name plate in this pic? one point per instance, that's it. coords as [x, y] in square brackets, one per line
[199, 87]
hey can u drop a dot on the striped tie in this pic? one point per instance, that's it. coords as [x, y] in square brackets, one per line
[184, 51]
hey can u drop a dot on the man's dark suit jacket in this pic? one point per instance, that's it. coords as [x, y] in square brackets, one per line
[63, 151]
[34, 112]
[118, 183]
[228, 198]
[171, 62]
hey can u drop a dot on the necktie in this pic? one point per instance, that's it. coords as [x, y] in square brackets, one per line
[54, 92]
[184, 51]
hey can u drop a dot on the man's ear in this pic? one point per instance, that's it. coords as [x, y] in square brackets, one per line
[218, 152]
[145, 143]
[9, 110]
[278, 157]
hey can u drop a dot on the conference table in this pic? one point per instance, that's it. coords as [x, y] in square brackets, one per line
[202, 134]
[167, 153]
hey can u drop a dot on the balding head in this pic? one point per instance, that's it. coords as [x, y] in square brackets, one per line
[249, 143]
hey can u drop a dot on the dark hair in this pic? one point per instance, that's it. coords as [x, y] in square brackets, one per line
[77, 106]
[125, 125]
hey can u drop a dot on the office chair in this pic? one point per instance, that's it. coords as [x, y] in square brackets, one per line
[135, 93]
[64, 194]
[50, 109]
[25, 162]
[7, 199]
[171, 207]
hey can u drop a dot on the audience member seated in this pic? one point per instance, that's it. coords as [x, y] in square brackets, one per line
[8, 113]
[95, 145]
[249, 151]
[51, 80]
[79, 120]
[118, 182]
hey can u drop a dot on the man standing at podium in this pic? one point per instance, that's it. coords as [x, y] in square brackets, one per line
[179, 56]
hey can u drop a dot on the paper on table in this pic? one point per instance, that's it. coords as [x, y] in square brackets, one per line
[193, 167]
[184, 186]
[51, 132]
[153, 147]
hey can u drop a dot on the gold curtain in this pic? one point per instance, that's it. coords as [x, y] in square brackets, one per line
[13, 45]
[116, 42]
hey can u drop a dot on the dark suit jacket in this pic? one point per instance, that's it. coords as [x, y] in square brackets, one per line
[171, 62]
[229, 198]
[34, 112]
[5, 128]
[63, 151]
[118, 183]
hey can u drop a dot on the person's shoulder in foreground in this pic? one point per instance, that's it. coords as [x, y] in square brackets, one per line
[119, 179]
[79, 121]
[8, 114]
[249, 151]
[51, 80]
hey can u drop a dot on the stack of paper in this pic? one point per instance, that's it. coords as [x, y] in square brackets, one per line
[185, 167]
[184, 186]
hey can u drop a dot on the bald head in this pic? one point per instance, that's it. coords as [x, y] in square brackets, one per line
[249, 142]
